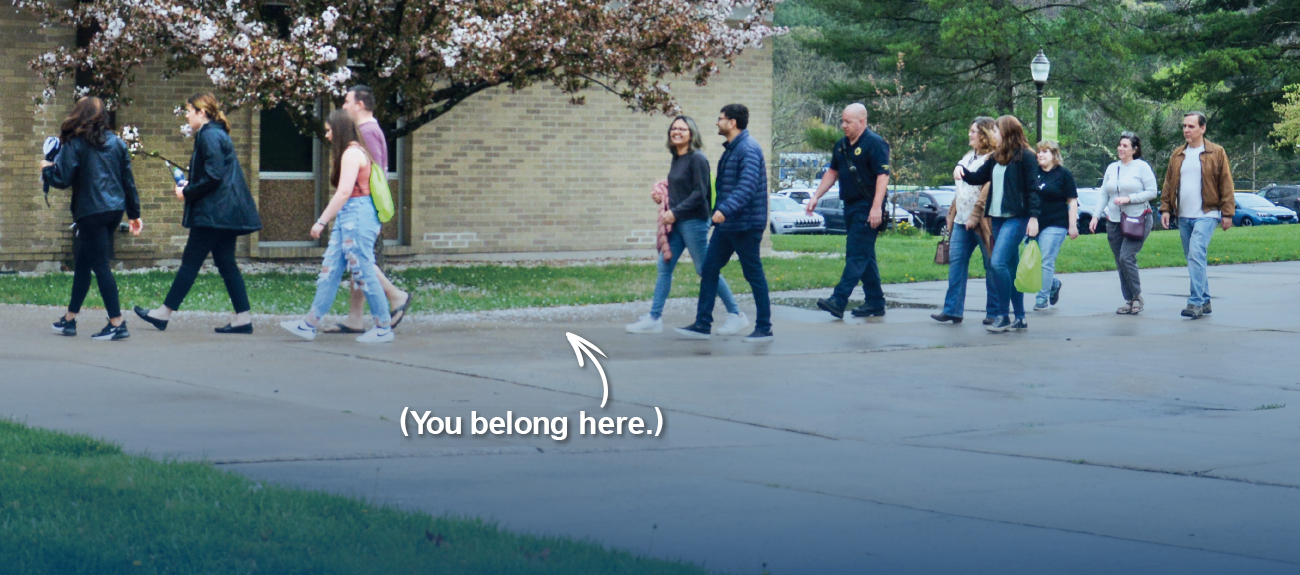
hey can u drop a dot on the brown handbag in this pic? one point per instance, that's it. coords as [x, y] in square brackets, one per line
[1134, 227]
[941, 250]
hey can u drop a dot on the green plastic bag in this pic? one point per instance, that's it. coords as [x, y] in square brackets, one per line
[380, 194]
[1029, 274]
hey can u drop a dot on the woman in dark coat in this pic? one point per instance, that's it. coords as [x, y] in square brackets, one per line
[218, 209]
[1014, 206]
[96, 164]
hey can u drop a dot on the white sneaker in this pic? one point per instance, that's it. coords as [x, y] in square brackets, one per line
[735, 322]
[646, 324]
[377, 335]
[299, 328]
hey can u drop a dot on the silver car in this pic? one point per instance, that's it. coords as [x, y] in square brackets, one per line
[786, 216]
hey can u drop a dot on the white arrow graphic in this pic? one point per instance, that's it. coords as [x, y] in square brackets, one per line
[581, 345]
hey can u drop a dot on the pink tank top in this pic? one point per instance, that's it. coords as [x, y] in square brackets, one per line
[362, 187]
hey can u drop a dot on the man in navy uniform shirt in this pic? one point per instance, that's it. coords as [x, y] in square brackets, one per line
[860, 162]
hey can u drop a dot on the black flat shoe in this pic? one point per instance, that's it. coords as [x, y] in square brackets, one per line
[246, 328]
[161, 324]
[945, 317]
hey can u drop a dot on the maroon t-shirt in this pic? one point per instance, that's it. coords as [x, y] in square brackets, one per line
[374, 137]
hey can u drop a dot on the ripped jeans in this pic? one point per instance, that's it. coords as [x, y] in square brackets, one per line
[352, 246]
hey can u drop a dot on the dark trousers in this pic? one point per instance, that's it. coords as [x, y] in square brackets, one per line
[860, 258]
[744, 244]
[221, 244]
[94, 244]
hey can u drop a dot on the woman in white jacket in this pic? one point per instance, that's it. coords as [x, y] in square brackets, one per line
[1128, 188]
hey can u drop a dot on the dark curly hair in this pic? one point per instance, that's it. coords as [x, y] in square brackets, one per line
[88, 120]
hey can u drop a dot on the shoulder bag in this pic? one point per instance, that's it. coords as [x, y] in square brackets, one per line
[1133, 227]
[941, 249]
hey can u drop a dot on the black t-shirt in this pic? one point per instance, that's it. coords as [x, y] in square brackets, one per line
[869, 156]
[1056, 188]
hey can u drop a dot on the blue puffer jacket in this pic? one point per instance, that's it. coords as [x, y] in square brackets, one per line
[742, 185]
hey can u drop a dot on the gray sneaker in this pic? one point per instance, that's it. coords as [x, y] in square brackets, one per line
[1193, 311]
[1205, 309]
[1040, 304]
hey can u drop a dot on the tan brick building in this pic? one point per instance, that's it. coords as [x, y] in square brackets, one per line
[501, 173]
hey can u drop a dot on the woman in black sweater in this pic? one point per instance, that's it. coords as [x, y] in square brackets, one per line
[1014, 207]
[218, 209]
[96, 164]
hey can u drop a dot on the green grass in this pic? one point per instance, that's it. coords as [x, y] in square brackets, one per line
[488, 287]
[71, 504]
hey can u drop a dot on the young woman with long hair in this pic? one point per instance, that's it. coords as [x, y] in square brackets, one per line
[218, 209]
[96, 164]
[685, 209]
[352, 240]
[1013, 206]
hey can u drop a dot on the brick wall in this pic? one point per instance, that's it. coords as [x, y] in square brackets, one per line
[30, 232]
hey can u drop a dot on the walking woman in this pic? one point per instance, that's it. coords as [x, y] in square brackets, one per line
[352, 240]
[686, 214]
[218, 209]
[1128, 188]
[1059, 217]
[1013, 205]
[96, 164]
[970, 228]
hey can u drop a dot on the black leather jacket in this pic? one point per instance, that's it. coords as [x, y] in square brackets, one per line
[217, 194]
[100, 177]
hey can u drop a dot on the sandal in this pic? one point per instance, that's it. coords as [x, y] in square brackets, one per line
[399, 313]
[340, 328]
[1125, 309]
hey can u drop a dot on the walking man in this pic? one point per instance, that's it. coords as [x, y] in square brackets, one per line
[1198, 191]
[740, 217]
[359, 103]
[860, 162]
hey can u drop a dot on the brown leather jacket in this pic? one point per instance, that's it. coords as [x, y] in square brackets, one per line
[985, 231]
[1216, 181]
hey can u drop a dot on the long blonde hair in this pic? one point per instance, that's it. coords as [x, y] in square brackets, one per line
[984, 126]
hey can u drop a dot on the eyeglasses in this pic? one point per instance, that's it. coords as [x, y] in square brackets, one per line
[687, 130]
[1127, 134]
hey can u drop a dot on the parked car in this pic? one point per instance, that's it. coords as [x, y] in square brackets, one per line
[1253, 210]
[800, 195]
[929, 208]
[831, 208]
[1088, 200]
[1285, 196]
[786, 216]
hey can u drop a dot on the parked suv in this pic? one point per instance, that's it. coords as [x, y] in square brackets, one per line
[929, 208]
[1285, 196]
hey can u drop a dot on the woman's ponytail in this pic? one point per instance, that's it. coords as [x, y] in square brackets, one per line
[207, 103]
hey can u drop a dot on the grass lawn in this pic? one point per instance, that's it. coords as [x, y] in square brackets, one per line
[487, 287]
[71, 504]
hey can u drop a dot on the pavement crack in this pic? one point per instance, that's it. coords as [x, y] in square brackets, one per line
[1199, 474]
[1010, 522]
[573, 393]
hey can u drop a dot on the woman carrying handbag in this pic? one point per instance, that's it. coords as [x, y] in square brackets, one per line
[1128, 187]
[968, 228]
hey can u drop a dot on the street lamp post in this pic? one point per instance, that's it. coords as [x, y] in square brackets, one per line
[1040, 68]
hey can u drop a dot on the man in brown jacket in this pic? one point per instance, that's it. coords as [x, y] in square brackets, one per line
[1198, 191]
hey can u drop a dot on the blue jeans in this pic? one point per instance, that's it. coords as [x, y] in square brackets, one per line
[1196, 234]
[694, 236]
[961, 247]
[1049, 241]
[1008, 233]
[352, 246]
[860, 258]
[744, 244]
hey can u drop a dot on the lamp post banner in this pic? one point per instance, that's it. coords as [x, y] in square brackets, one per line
[1050, 119]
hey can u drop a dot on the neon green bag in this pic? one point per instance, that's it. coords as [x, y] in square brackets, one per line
[1029, 274]
[380, 194]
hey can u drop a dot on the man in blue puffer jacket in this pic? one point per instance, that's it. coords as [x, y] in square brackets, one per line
[740, 218]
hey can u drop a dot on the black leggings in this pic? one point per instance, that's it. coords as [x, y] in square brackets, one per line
[94, 244]
[221, 244]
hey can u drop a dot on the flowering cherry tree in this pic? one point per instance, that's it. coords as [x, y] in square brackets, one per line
[422, 57]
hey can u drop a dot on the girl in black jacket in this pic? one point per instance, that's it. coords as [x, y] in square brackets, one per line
[1014, 206]
[96, 164]
[218, 209]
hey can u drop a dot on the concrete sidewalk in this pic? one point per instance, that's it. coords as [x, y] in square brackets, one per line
[1093, 443]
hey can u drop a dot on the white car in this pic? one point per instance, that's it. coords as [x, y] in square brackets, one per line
[786, 216]
[800, 195]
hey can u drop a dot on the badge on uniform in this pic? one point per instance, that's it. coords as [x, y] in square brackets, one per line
[857, 151]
